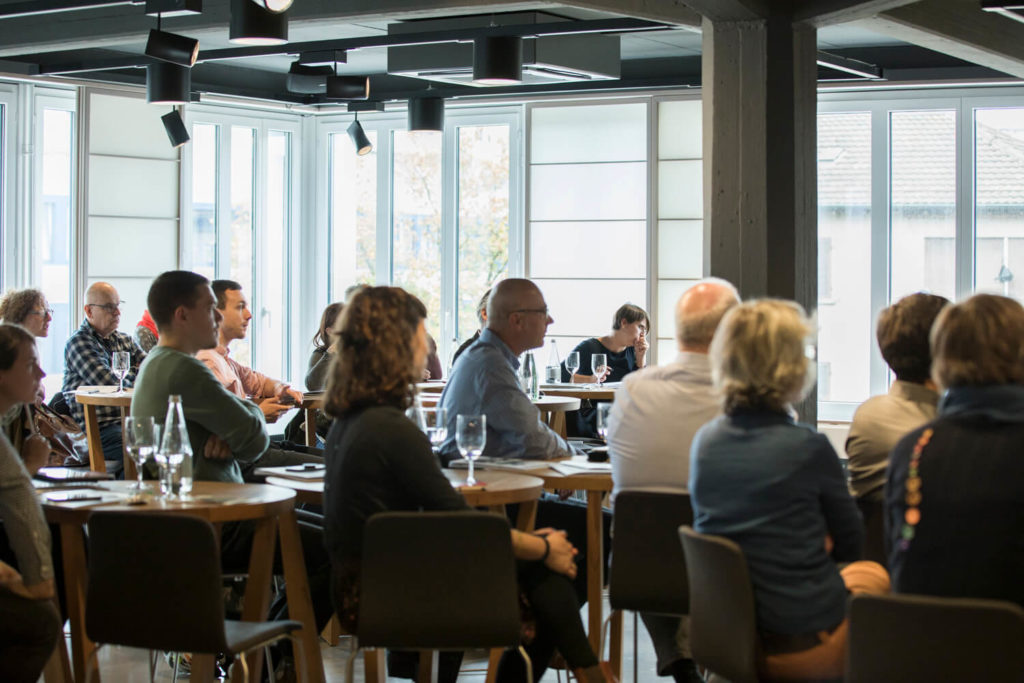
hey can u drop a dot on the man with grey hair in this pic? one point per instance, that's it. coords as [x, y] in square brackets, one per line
[656, 413]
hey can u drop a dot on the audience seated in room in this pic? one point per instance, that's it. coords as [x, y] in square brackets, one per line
[30, 626]
[273, 397]
[378, 460]
[87, 360]
[656, 413]
[776, 488]
[145, 334]
[883, 420]
[956, 485]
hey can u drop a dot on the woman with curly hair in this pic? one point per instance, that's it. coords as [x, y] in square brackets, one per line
[776, 488]
[28, 308]
[379, 461]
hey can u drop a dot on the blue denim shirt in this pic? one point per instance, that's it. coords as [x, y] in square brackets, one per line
[484, 381]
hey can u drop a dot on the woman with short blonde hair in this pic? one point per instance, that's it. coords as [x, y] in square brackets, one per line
[777, 489]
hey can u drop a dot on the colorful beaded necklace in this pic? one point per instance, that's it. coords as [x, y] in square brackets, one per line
[912, 516]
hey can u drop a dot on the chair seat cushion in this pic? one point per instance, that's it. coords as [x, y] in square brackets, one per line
[245, 635]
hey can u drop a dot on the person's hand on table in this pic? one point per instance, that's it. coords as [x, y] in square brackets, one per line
[273, 408]
[561, 554]
[286, 390]
[216, 448]
[35, 451]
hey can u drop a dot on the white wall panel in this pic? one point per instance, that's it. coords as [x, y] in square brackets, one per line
[585, 307]
[589, 133]
[132, 246]
[609, 249]
[127, 126]
[567, 192]
[680, 249]
[133, 187]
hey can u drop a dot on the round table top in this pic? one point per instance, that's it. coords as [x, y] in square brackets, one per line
[580, 391]
[103, 396]
[431, 387]
[499, 488]
[211, 500]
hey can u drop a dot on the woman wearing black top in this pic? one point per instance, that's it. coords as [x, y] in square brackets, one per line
[378, 461]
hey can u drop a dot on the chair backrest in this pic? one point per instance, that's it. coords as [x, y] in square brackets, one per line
[916, 638]
[154, 582]
[873, 512]
[723, 626]
[438, 580]
[648, 568]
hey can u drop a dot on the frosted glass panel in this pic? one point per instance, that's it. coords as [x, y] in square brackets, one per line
[679, 130]
[589, 192]
[616, 132]
[561, 249]
[669, 292]
[133, 187]
[680, 249]
[132, 246]
[667, 351]
[128, 126]
[680, 189]
[586, 307]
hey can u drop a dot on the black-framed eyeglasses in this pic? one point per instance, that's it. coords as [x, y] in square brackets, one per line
[42, 312]
[108, 307]
[532, 310]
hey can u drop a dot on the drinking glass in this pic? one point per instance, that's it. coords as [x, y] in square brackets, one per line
[141, 436]
[470, 436]
[435, 422]
[572, 363]
[604, 411]
[599, 364]
[120, 362]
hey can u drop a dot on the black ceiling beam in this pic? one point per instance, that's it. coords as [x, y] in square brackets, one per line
[555, 28]
[849, 65]
[10, 10]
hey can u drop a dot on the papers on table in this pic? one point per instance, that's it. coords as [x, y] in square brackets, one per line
[580, 465]
[484, 463]
[71, 474]
[301, 472]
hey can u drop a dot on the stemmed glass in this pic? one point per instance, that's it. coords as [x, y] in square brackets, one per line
[120, 362]
[435, 421]
[572, 363]
[599, 365]
[470, 436]
[141, 436]
[604, 411]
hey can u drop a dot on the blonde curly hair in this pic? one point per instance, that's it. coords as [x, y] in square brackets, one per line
[760, 357]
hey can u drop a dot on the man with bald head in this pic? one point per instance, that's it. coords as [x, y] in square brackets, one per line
[87, 358]
[656, 413]
[484, 379]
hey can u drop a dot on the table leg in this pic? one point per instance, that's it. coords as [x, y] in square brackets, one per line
[72, 541]
[202, 667]
[375, 662]
[311, 426]
[129, 465]
[526, 520]
[595, 567]
[493, 658]
[92, 437]
[300, 605]
[257, 588]
[558, 423]
[428, 667]
[58, 667]
[615, 644]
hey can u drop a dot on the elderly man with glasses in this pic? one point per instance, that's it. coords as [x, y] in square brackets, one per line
[87, 361]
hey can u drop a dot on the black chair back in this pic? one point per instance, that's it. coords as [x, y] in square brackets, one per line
[723, 627]
[648, 568]
[919, 639]
[873, 512]
[154, 582]
[438, 581]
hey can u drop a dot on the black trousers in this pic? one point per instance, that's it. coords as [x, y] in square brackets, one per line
[29, 632]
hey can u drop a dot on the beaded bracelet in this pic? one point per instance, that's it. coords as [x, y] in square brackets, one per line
[912, 497]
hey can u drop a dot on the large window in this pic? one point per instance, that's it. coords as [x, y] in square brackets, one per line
[432, 212]
[999, 200]
[241, 209]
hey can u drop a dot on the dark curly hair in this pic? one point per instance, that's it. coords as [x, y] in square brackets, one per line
[375, 336]
[17, 304]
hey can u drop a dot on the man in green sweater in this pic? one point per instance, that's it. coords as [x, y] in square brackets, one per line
[228, 434]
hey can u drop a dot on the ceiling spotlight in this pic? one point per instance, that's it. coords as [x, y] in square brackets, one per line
[274, 5]
[175, 127]
[251, 24]
[348, 87]
[168, 83]
[308, 80]
[359, 139]
[171, 47]
[426, 113]
[498, 60]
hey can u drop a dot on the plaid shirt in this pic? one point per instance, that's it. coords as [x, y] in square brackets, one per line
[87, 363]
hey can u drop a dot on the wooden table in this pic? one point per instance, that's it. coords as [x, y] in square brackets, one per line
[580, 391]
[270, 506]
[431, 387]
[91, 397]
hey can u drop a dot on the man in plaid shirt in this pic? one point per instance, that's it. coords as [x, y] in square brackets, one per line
[87, 358]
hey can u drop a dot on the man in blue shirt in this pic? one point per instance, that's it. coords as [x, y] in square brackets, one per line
[484, 380]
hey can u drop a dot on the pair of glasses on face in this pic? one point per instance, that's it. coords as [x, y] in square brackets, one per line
[43, 312]
[111, 308]
[543, 311]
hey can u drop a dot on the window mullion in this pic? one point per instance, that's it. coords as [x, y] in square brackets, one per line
[385, 203]
[449, 241]
[965, 209]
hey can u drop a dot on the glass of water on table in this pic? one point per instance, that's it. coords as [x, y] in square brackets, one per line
[470, 437]
[435, 424]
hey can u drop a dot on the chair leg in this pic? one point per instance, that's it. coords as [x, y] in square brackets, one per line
[151, 657]
[174, 671]
[636, 648]
[528, 663]
[375, 662]
[493, 659]
[92, 663]
[428, 667]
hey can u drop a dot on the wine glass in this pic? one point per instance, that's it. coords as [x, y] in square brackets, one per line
[140, 440]
[470, 436]
[599, 365]
[604, 411]
[572, 363]
[120, 362]
[436, 425]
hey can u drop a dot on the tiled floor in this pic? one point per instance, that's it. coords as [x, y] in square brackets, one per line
[119, 664]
